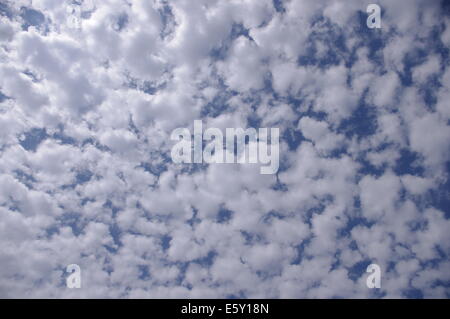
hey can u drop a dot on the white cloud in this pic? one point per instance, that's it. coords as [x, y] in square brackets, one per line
[110, 80]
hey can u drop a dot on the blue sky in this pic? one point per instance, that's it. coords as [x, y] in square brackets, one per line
[90, 92]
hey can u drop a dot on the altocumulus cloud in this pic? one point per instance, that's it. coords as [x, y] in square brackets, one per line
[90, 92]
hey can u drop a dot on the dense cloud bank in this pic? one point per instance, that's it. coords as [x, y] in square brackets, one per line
[90, 92]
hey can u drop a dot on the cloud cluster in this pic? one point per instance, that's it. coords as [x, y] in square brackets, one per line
[90, 92]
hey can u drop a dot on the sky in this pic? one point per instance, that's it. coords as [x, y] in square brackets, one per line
[90, 92]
